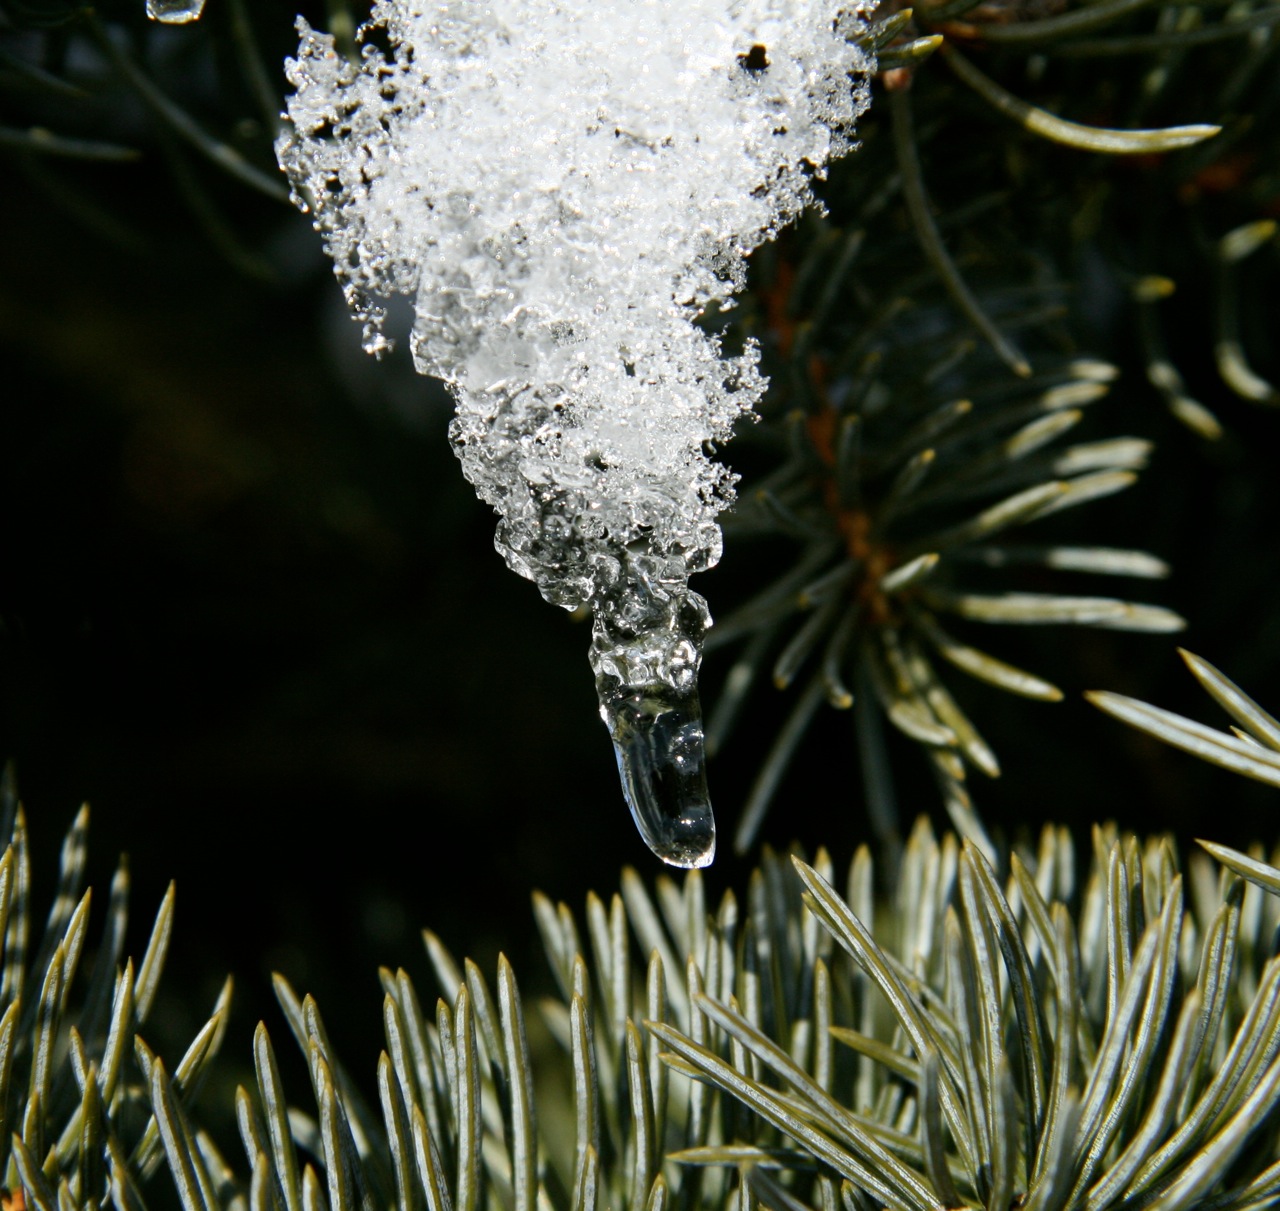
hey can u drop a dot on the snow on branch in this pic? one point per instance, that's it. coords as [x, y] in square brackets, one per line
[562, 187]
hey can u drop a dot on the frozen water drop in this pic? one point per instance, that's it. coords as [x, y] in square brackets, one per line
[646, 646]
[175, 12]
[657, 739]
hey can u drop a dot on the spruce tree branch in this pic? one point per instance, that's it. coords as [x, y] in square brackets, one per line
[1077, 21]
[214, 150]
[44, 142]
[931, 241]
[1144, 44]
[1073, 134]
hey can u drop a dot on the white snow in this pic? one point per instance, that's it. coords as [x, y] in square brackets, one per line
[561, 187]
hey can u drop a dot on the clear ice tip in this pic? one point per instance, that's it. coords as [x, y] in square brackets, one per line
[658, 741]
[175, 12]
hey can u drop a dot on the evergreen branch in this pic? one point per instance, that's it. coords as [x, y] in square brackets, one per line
[1163, 375]
[1262, 874]
[1032, 1054]
[1140, 44]
[87, 1111]
[1073, 134]
[44, 142]
[1082, 20]
[1233, 365]
[179, 121]
[931, 241]
[1241, 756]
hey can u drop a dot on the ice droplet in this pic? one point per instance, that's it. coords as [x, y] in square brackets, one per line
[646, 648]
[657, 739]
[175, 12]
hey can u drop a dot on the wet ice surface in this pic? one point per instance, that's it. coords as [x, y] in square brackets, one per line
[646, 645]
[561, 189]
[175, 12]
[657, 738]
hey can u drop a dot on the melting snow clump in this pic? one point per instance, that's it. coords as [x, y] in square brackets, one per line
[562, 187]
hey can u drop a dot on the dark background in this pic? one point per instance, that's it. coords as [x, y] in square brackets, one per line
[253, 614]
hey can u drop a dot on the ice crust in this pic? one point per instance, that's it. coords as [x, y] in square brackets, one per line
[562, 187]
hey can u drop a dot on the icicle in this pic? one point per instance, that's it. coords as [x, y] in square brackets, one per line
[646, 647]
[562, 188]
[175, 12]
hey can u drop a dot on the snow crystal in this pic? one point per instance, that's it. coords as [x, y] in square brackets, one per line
[562, 187]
